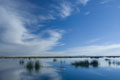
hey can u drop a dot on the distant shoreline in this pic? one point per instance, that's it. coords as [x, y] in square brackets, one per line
[59, 56]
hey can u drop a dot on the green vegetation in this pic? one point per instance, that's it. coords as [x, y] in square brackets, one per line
[54, 60]
[21, 62]
[86, 63]
[29, 66]
[37, 66]
[94, 63]
[81, 64]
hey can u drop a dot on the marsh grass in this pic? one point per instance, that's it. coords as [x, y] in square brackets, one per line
[54, 60]
[37, 66]
[85, 64]
[31, 66]
[94, 63]
[21, 62]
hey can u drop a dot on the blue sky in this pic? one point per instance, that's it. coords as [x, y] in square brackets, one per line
[59, 27]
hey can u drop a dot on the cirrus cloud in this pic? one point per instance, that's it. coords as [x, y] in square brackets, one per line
[20, 31]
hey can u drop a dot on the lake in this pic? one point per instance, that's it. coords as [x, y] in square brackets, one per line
[60, 69]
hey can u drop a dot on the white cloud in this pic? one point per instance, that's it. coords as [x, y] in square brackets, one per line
[17, 21]
[84, 2]
[65, 9]
[93, 40]
[106, 1]
[12, 28]
[15, 38]
[49, 17]
[91, 50]
[94, 50]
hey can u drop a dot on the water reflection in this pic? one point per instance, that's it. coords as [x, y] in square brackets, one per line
[85, 63]
[37, 70]
[36, 65]
[59, 69]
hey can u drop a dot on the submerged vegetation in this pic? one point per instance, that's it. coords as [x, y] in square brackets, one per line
[81, 63]
[30, 66]
[37, 65]
[94, 63]
[21, 62]
[54, 60]
[86, 63]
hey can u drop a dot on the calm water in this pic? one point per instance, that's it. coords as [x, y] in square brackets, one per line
[60, 69]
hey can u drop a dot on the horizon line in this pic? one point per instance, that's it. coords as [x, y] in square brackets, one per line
[57, 56]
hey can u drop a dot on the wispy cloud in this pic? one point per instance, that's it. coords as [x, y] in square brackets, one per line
[48, 17]
[17, 23]
[106, 1]
[93, 40]
[65, 9]
[92, 50]
[84, 2]
[16, 36]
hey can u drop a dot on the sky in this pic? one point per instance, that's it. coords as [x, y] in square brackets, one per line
[59, 27]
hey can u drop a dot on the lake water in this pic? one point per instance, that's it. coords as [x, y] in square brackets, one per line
[60, 69]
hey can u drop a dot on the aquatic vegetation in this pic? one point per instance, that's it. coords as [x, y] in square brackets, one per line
[37, 66]
[85, 64]
[21, 62]
[81, 64]
[94, 63]
[109, 62]
[107, 59]
[54, 60]
[29, 66]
